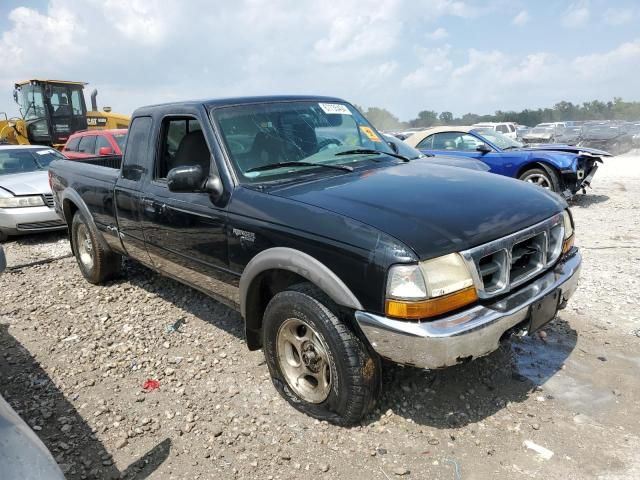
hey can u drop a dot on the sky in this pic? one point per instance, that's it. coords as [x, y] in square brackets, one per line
[404, 55]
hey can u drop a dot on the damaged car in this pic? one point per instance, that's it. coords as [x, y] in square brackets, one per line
[542, 133]
[570, 135]
[614, 138]
[562, 168]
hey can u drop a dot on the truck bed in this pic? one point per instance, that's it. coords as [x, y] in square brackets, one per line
[94, 180]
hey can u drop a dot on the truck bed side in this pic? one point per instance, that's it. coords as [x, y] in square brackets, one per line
[88, 185]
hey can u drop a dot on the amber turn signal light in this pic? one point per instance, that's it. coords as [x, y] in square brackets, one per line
[432, 307]
[567, 245]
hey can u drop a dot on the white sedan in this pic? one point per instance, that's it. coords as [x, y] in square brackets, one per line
[26, 202]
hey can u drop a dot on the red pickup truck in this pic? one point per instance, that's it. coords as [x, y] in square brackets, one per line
[90, 143]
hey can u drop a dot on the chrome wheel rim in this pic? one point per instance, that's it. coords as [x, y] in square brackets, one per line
[304, 361]
[538, 179]
[85, 247]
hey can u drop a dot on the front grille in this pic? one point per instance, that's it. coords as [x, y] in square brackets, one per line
[503, 264]
[40, 225]
[48, 199]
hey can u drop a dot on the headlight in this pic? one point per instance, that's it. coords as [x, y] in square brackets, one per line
[569, 237]
[430, 288]
[18, 202]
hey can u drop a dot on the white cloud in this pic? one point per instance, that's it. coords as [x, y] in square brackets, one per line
[372, 52]
[493, 79]
[618, 16]
[521, 18]
[577, 15]
[438, 34]
[436, 68]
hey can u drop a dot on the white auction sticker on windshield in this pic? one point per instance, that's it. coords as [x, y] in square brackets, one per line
[44, 152]
[335, 108]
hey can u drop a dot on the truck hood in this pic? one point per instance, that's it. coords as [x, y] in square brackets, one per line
[28, 183]
[432, 209]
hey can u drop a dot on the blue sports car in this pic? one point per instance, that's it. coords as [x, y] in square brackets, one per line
[564, 169]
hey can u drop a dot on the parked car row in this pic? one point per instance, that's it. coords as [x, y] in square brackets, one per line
[613, 136]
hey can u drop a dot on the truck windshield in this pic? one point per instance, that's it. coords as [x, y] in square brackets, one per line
[32, 102]
[258, 135]
[28, 160]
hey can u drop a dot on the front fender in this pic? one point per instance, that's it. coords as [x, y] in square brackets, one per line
[559, 161]
[282, 258]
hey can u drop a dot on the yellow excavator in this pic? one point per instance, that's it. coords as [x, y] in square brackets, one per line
[52, 110]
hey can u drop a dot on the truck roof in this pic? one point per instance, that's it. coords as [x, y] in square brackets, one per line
[225, 102]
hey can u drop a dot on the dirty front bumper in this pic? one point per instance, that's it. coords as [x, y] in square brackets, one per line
[471, 333]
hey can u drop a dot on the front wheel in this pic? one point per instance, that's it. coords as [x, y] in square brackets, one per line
[317, 363]
[541, 177]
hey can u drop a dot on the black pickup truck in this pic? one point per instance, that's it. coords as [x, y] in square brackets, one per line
[336, 250]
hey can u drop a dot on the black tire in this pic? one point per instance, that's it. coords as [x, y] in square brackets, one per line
[3, 236]
[105, 264]
[354, 369]
[549, 178]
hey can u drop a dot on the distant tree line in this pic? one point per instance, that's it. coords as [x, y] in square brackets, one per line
[594, 110]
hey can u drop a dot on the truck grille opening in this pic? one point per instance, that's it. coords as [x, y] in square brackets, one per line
[527, 257]
[491, 269]
[510, 261]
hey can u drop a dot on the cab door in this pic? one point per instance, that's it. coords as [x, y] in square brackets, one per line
[185, 233]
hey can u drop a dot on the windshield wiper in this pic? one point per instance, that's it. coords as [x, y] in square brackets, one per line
[370, 151]
[273, 166]
[510, 147]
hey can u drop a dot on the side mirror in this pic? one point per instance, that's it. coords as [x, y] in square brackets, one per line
[192, 179]
[393, 146]
[105, 151]
[483, 148]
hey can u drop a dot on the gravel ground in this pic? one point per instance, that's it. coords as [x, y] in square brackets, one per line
[74, 358]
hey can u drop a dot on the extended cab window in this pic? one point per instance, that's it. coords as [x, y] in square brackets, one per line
[182, 144]
[137, 142]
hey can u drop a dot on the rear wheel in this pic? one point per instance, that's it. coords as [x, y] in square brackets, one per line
[541, 177]
[316, 362]
[97, 262]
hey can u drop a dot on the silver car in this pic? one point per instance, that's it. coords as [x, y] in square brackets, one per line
[26, 202]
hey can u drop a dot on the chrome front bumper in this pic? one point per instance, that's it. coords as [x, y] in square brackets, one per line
[468, 334]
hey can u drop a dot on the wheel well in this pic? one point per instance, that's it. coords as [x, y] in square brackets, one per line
[538, 164]
[263, 288]
[69, 209]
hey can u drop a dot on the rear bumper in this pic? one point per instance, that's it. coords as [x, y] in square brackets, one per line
[468, 334]
[16, 221]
